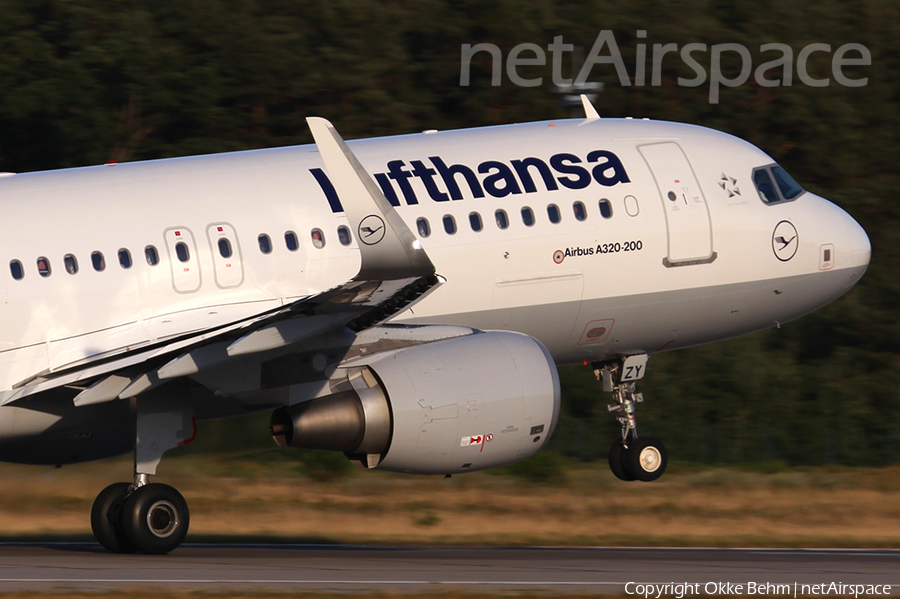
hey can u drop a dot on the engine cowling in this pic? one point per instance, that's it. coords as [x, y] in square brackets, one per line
[458, 405]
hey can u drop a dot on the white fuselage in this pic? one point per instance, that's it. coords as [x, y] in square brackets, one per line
[650, 274]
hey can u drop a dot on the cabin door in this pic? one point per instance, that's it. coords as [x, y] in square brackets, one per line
[687, 215]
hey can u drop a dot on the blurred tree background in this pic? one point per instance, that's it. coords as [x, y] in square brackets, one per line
[86, 81]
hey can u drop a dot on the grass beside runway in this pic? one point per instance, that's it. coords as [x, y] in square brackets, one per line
[167, 594]
[243, 498]
[145, 593]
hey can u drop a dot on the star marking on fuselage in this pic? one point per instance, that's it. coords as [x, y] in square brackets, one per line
[729, 184]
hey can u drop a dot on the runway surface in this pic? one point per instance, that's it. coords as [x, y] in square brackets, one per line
[86, 566]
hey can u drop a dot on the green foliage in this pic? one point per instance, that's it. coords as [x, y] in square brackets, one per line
[241, 433]
[250, 436]
[87, 81]
[323, 465]
[788, 394]
[544, 467]
[427, 519]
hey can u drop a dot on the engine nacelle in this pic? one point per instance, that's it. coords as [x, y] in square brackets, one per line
[458, 405]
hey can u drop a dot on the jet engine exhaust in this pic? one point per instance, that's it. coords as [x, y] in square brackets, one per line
[354, 421]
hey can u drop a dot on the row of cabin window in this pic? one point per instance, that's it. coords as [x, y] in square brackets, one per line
[502, 219]
[293, 244]
[70, 262]
[182, 252]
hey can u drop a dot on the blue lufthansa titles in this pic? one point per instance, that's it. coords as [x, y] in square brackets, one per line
[494, 178]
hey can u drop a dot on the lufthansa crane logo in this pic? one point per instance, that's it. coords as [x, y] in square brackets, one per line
[371, 229]
[784, 241]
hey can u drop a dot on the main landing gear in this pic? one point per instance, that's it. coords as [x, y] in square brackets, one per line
[142, 516]
[631, 457]
[151, 518]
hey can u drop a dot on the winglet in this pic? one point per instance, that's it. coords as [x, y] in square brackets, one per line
[389, 249]
[590, 113]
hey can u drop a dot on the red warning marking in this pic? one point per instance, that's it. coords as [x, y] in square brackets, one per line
[472, 440]
[193, 435]
[559, 256]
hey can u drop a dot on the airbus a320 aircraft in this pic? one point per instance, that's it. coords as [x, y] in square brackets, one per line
[403, 300]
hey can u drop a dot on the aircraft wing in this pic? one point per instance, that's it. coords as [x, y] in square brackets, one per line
[395, 272]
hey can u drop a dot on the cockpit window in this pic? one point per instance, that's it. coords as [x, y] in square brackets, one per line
[764, 186]
[774, 185]
[786, 185]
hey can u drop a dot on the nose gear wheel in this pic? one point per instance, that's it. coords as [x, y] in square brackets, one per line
[631, 457]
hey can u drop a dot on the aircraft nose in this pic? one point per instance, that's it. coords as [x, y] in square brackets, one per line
[844, 244]
[855, 249]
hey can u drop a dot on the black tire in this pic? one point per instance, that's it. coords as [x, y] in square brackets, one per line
[647, 458]
[105, 520]
[617, 464]
[155, 518]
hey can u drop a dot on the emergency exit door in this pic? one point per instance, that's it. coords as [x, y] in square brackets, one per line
[226, 254]
[687, 214]
[183, 259]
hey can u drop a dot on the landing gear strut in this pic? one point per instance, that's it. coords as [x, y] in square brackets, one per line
[144, 516]
[631, 457]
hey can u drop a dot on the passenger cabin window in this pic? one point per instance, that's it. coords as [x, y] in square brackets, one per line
[181, 250]
[553, 214]
[151, 255]
[449, 224]
[318, 238]
[224, 248]
[344, 235]
[71, 264]
[527, 216]
[43, 266]
[579, 210]
[291, 241]
[98, 262]
[124, 258]
[16, 270]
[502, 219]
[605, 208]
[265, 244]
[423, 227]
[475, 222]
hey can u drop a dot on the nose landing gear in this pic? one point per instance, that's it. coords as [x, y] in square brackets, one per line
[631, 457]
